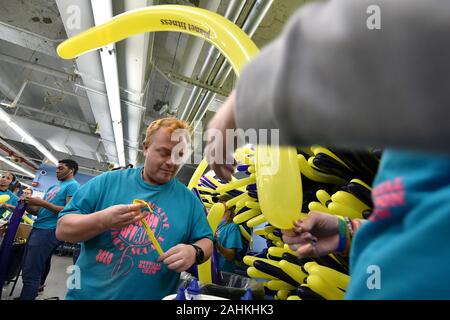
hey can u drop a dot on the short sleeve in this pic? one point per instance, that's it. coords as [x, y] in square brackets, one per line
[199, 227]
[232, 238]
[84, 199]
[72, 189]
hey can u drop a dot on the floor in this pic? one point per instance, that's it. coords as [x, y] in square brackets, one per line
[55, 285]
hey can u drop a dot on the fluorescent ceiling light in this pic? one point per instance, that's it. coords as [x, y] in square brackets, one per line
[16, 166]
[102, 11]
[27, 137]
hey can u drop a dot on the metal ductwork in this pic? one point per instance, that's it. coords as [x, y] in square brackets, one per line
[252, 22]
[233, 11]
[89, 64]
[59, 138]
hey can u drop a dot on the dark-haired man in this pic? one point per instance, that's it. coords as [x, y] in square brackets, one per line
[42, 241]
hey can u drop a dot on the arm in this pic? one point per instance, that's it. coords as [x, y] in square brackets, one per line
[8, 206]
[328, 70]
[37, 203]
[182, 256]
[320, 234]
[33, 210]
[228, 254]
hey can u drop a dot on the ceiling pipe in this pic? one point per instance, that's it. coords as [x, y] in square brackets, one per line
[73, 77]
[11, 153]
[19, 153]
[233, 11]
[254, 19]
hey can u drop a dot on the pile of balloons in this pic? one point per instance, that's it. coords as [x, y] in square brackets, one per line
[299, 181]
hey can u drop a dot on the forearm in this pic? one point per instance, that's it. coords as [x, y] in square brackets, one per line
[207, 247]
[228, 254]
[328, 70]
[33, 210]
[80, 227]
[50, 206]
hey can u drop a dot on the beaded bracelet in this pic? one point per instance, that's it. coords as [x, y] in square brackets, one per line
[349, 226]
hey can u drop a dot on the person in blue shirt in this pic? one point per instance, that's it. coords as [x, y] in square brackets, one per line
[42, 240]
[117, 258]
[319, 92]
[6, 209]
[228, 241]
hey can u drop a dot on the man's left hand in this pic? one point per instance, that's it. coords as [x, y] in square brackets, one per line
[179, 258]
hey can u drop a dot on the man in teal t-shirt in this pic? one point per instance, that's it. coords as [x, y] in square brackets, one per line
[42, 240]
[117, 258]
[7, 208]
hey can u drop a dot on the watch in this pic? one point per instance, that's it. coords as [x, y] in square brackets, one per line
[199, 254]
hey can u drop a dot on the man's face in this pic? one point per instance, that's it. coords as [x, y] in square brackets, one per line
[27, 193]
[62, 171]
[159, 166]
[5, 180]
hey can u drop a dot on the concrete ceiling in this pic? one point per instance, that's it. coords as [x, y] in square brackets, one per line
[63, 115]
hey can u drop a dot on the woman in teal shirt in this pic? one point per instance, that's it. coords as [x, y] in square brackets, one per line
[229, 241]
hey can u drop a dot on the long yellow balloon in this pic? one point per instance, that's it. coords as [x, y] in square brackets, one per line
[231, 41]
[214, 217]
[279, 185]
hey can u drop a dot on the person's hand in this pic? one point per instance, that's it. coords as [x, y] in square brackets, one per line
[34, 201]
[218, 159]
[122, 215]
[314, 236]
[179, 258]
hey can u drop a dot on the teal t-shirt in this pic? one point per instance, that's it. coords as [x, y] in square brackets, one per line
[122, 263]
[404, 251]
[12, 201]
[56, 195]
[229, 236]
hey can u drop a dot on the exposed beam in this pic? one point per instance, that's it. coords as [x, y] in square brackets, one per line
[28, 39]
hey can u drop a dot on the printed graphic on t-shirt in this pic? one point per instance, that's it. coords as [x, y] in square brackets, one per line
[133, 244]
[52, 193]
[387, 195]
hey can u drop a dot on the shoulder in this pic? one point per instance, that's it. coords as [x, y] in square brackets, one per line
[184, 192]
[12, 195]
[116, 175]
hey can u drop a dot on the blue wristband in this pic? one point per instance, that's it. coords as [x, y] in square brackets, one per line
[342, 236]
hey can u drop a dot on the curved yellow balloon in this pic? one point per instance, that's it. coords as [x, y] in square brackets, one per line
[197, 174]
[279, 185]
[229, 39]
[149, 231]
[4, 198]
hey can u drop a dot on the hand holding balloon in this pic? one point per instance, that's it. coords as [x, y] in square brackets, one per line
[316, 235]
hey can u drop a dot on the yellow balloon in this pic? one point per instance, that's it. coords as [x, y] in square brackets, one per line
[293, 270]
[255, 273]
[229, 39]
[279, 185]
[214, 217]
[256, 221]
[198, 174]
[149, 231]
[276, 285]
[4, 198]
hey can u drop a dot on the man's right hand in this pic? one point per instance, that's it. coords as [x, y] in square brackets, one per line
[121, 215]
[316, 235]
